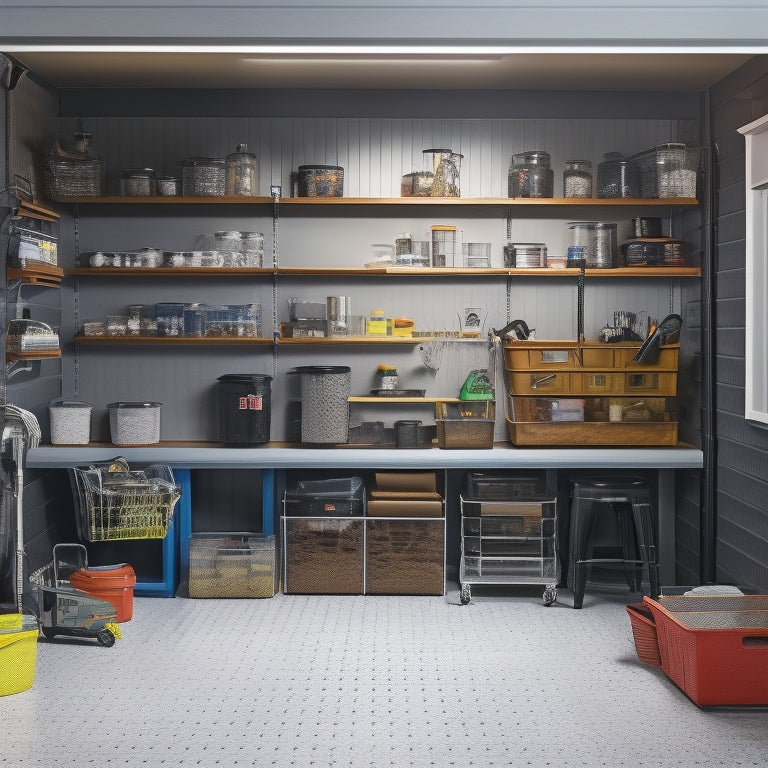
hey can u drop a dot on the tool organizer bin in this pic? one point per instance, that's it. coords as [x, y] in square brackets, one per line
[589, 393]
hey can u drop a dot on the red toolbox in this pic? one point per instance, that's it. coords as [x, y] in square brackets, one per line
[715, 647]
[112, 583]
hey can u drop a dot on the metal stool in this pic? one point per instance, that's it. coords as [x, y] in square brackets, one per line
[631, 502]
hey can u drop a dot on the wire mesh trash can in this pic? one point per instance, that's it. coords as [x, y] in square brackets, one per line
[324, 403]
[244, 408]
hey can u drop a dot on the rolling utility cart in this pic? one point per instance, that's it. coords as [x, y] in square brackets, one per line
[508, 535]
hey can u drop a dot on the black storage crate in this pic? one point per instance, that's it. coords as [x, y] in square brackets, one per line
[334, 497]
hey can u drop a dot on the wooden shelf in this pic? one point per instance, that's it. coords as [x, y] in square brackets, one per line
[379, 272]
[382, 400]
[170, 271]
[569, 202]
[336, 340]
[41, 274]
[163, 341]
[33, 354]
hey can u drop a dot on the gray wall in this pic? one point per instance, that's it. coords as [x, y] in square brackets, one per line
[742, 447]
[47, 506]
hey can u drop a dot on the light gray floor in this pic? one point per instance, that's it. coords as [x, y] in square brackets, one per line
[368, 681]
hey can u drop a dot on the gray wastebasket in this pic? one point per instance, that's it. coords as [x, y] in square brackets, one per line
[324, 403]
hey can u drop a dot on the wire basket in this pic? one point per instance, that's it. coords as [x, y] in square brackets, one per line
[125, 505]
[669, 170]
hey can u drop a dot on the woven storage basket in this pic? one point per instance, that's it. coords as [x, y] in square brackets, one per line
[644, 632]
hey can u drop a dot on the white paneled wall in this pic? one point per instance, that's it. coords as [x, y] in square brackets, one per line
[374, 152]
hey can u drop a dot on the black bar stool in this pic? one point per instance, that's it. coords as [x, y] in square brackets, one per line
[630, 500]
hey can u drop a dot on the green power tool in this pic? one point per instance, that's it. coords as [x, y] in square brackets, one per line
[477, 386]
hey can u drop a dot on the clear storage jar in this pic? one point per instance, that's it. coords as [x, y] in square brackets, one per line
[446, 171]
[138, 182]
[605, 255]
[530, 175]
[577, 179]
[617, 177]
[242, 172]
[203, 177]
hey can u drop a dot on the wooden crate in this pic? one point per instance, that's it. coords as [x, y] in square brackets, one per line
[582, 433]
[555, 355]
[592, 382]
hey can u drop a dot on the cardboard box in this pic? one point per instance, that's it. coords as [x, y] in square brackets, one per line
[405, 508]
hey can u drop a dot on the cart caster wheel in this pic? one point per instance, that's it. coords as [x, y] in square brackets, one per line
[466, 594]
[105, 637]
[549, 596]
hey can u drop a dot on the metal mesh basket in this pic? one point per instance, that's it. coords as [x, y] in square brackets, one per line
[65, 177]
[669, 170]
[125, 505]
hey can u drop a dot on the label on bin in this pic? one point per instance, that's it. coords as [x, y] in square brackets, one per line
[250, 403]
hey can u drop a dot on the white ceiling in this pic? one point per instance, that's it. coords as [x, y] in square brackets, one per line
[524, 71]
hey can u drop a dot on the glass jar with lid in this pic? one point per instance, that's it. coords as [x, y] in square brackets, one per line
[530, 175]
[138, 182]
[242, 172]
[203, 177]
[577, 179]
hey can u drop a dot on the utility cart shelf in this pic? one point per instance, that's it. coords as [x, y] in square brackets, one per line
[508, 542]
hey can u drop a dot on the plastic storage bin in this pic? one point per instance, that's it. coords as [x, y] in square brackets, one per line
[70, 421]
[111, 583]
[134, 423]
[18, 652]
[714, 647]
[244, 408]
[232, 565]
[334, 497]
[468, 424]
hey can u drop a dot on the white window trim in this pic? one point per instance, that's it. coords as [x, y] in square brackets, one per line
[756, 262]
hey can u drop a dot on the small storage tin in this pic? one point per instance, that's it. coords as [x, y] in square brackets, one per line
[138, 182]
[134, 423]
[320, 181]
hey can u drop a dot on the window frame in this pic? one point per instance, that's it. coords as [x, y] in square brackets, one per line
[756, 271]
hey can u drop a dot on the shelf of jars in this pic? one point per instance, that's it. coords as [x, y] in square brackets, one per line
[260, 341]
[163, 341]
[569, 202]
[635, 271]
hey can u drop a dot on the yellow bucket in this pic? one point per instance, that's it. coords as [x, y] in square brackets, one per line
[18, 656]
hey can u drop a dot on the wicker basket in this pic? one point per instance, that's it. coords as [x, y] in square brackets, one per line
[65, 177]
[468, 424]
[644, 632]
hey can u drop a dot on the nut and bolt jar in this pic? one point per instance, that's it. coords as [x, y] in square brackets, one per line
[204, 177]
[242, 172]
[138, 182]
[530, 175]
[577, 179]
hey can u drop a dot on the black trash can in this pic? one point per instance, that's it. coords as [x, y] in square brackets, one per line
[244, 408]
